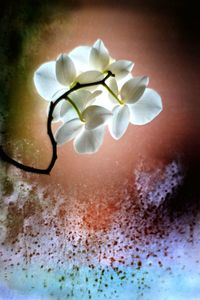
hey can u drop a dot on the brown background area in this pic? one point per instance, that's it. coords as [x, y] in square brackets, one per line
[161, 37]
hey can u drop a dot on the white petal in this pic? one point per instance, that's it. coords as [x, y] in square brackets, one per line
[68, 131]
[121, 68]
[92, 98]
[95, 94]
[146, 109]
[45, 80]
[59, 93]
[112, 83]
[95, 116]
[56, 112]
[123, 80]
[104, 100]
[89, 141]
[119, 122]
[89, 76]
[99, 56]
[67, 111]
[80, 98]
[133, 89]
[65, 69]
[80, 56]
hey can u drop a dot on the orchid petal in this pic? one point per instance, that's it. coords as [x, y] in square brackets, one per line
[99, 56]
[64, 109]
[146, 109]
[95, 116]
[92, 98]
[80, 56]
[68, 131]
[65, 69]
[119, 122]
[112, 83]
[81, 98]
[89, 141]
[121, 81]
[56, 112]
[45, 80]
[67, 111]
[121, 68]
[104, 100]
[95, 94]
[59, 93]
[89, 76]
[133, 89]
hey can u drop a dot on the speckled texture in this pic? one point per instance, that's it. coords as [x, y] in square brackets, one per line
[65, 246]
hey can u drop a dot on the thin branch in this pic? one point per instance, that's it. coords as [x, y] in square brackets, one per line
[23, 167]
[5, 157]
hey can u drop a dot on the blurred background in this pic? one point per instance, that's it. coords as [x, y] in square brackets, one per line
[124, 221]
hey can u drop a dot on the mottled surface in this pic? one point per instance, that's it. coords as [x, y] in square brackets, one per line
[114, 243]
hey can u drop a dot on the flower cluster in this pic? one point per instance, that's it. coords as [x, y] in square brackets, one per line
[87, 104]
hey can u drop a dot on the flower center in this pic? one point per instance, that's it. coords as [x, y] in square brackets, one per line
[72, 85]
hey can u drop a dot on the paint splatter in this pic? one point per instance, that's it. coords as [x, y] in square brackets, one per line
[114, 245]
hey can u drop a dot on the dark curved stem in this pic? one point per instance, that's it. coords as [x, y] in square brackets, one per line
[46, 171]
[5, 157]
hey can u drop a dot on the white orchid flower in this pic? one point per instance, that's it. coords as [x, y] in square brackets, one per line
[83, 64]
[85, 118]
[98, 58]
[101, 60]
[87, 132]
[138, 105]
[54, 78]
[64, 110]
